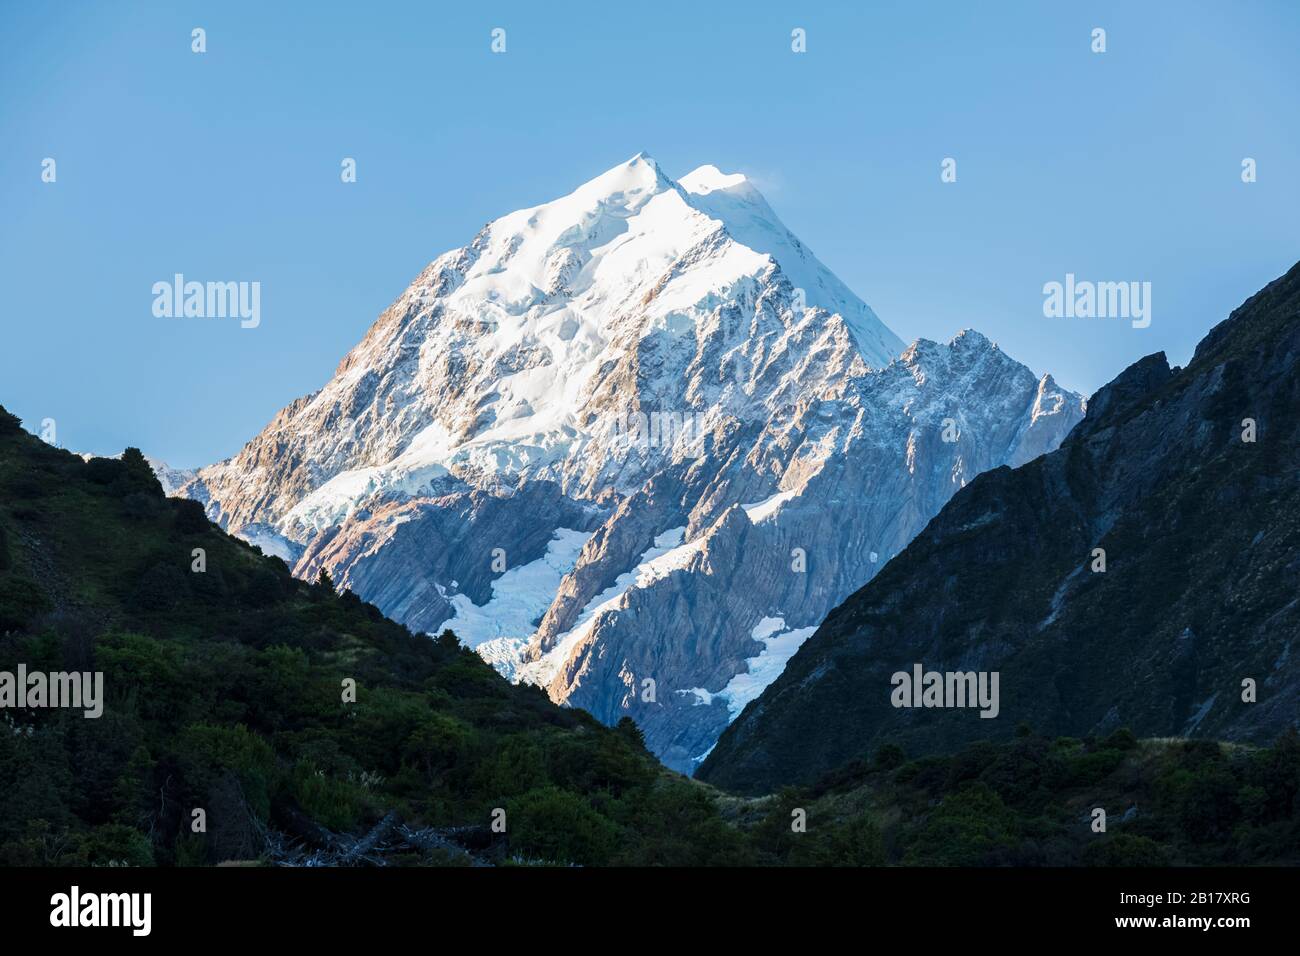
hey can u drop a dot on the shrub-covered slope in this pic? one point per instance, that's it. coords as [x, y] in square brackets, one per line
[1033, 801]
[224, 691]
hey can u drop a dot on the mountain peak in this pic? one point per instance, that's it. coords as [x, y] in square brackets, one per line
[971, 339]
[964, 342]
[590, 385]
[614, 239]
[638, 175]
[708, 178]
[1123, 394]
[732, 199]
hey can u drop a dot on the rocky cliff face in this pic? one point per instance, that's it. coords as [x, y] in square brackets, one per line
[632, 444]
[1142, 575]
[755, 554]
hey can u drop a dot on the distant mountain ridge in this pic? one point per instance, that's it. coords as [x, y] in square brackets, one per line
[1186, 479]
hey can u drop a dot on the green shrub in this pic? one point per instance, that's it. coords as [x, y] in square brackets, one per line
[105, 471]
[115, 844]
[10, 424]
[138, 473]
[338, 804]
[208, 752]
[856, 843]
[966, 829]
[163, 587]
[557, 826]
[1122, 739]
[439, 742]
[190, 516]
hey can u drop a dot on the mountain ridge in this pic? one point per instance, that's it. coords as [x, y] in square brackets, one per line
[1180, 477]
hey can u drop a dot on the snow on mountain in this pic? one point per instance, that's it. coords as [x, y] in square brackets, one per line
[495, 359]
[616, 433]
[778, 646]
[733, 200]
[519, 596]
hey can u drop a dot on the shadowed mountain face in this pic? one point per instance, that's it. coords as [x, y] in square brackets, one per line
[1186, 479]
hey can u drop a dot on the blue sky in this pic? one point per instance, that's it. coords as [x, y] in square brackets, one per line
[1116, 166]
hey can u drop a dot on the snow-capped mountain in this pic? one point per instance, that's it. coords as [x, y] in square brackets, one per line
[632, 444]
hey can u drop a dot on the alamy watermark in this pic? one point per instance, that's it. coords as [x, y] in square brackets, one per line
[77, 909]
[683, 431]
[78, 690]
[209, 300]
[1083, 299]
[922, 688]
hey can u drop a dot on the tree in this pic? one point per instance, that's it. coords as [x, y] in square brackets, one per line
[627, 728]
[9, 424]
[324, 583]
[190, 517]
[139, 472]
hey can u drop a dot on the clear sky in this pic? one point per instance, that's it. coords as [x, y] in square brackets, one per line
[1120, 166]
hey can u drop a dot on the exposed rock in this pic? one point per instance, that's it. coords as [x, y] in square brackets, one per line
[1194, 600]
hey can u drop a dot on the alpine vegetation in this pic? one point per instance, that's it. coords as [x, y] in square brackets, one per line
[269, 721]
